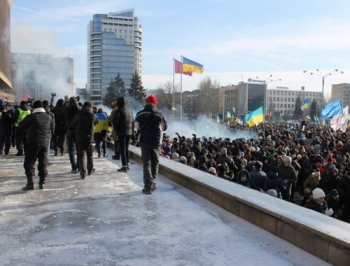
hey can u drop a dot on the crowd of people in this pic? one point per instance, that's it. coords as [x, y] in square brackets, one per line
[283, 160]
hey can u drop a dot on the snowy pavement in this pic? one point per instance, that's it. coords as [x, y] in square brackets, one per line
[106, 220]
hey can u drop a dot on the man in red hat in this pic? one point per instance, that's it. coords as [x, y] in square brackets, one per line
[150, 124]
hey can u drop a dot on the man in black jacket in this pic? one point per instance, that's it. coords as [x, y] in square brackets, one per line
[38, 126]
[60, 128]
[123, 126]
[84, 123]
[151, 124]
[70, 110]
[5, 130]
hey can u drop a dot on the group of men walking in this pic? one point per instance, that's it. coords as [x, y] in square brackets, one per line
[77, 124]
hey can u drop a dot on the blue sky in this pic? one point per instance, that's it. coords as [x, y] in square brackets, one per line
[234, 40]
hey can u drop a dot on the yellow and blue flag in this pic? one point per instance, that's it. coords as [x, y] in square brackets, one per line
[305, 104]
[191, 66]
[228, 115]
[255, 117]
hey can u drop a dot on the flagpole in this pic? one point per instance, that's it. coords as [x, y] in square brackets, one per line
[181, 88]
[173, 87]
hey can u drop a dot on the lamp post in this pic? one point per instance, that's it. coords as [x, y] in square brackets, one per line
[319, 73]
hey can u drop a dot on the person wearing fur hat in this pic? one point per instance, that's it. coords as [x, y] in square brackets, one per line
[150, 124]
[38, 126]
[318, 203]
[243, 178]
[311, 182]
[287, 172]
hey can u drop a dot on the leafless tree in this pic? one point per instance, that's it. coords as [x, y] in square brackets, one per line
[167, 95]
[208, 96]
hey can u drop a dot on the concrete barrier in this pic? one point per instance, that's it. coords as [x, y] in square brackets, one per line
[322, 236]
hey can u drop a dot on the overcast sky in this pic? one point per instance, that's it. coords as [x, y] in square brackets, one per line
[234, 40]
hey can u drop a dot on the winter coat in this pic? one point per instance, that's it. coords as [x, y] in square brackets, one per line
[123, 119]
[48, 111]
[257, 179]
[110, 119]
[312, 204]
[84, 123]
[273, 181]
[343, 187]
[59, 116]
[16, 114]
[38, 126]
[239, 178]
[151, 123]
[287, 173]
[5, 124]
[311, 183]
[70, 110]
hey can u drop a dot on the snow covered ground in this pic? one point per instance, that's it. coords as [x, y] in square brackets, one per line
[106, 220]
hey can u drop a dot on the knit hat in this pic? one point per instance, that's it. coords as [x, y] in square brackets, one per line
[212, 170]
[183, 159]
[273, 169]
[223, 151]
[88, 104]
[37, 104]
[272, 192]
[334, 192]
[152, 99]
[287, 159]
[331, 167]
[175, 155]
[318, 193]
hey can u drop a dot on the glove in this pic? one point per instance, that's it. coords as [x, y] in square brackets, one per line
[329, 212]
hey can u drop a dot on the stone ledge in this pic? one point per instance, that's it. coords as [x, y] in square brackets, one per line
[322, 236]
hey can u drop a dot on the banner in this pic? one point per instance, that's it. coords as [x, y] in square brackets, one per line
[332, 109]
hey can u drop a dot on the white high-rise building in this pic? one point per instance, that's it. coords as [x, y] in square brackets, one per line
[114, 46]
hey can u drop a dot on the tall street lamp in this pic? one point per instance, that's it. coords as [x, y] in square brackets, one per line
[319, 73]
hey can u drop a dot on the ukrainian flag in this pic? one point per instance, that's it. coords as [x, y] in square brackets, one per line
[305, 104]
[254, 118]
[228, 115]
[191, 66]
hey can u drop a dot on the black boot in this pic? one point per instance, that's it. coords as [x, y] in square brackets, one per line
[123, 169]
[29, 186]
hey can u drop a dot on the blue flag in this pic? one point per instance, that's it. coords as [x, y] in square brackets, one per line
[332, 109]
